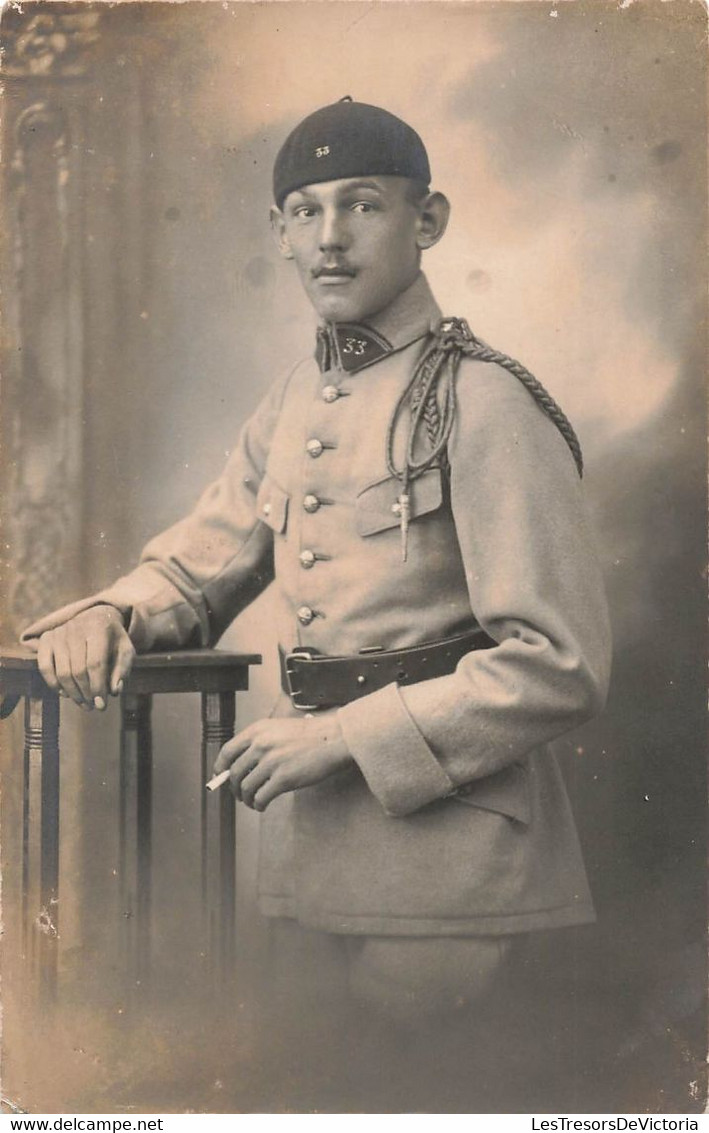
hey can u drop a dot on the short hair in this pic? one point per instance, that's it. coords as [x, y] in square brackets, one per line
[416, 190]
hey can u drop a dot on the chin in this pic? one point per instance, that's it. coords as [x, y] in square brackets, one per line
[336, 310]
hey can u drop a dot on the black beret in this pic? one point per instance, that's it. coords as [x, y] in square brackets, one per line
[348, 139]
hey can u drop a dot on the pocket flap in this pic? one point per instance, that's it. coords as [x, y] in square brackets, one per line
[506, 792]
[376, 504]
[272, 505]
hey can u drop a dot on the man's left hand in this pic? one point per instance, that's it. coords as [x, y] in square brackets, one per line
[272, 757]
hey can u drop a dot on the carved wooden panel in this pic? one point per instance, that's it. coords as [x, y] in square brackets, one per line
[41, 40]
[45, 433]
[46, 61]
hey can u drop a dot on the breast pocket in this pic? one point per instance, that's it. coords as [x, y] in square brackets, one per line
[272, 505]
[377, 507]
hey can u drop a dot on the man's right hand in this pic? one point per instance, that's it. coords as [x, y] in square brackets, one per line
[88, 657]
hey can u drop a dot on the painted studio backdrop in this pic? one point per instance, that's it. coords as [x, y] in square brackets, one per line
[148, 312]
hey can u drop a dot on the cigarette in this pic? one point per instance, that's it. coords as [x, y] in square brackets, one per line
[217, 780]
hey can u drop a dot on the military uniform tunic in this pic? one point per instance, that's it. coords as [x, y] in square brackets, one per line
[453, 818]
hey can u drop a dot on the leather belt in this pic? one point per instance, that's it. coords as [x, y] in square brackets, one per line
[314, 680]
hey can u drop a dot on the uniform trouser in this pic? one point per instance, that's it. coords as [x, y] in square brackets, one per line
[415, 978]
[406, 979]
[414, 1023]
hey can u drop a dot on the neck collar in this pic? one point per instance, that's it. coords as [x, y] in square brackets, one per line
[353, 346]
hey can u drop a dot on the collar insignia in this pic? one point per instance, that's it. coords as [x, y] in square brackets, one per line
[349, 346]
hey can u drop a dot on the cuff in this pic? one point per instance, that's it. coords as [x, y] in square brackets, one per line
[154, 612]
[395, 760]
[66, 613]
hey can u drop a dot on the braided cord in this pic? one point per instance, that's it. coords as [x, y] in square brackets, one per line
[422, 395]
[484, 353]
[432, 401]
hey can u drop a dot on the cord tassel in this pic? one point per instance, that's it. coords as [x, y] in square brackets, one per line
[404, 502]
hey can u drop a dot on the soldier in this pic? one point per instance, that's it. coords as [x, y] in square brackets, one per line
[417, 498]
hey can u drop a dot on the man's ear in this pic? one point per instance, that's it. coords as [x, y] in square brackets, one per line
[434, 211]
[278, 228]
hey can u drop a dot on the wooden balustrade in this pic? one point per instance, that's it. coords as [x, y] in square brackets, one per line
[217, 676]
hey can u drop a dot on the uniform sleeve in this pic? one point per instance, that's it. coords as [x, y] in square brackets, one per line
[194, 578]
[534, 585]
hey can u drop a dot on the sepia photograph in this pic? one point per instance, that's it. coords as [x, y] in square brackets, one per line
[353, 574]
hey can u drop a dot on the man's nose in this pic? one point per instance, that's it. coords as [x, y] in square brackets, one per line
[333, 231]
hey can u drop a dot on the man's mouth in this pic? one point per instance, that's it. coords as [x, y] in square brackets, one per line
[334, 271]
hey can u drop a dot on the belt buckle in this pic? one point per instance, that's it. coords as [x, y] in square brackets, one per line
[300, 654]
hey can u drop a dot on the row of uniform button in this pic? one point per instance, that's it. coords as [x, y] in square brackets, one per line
[311, 503]
[315, 447]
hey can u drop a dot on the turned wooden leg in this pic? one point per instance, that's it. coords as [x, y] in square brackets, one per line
[40, 839]
[218, 840]
[135, 833]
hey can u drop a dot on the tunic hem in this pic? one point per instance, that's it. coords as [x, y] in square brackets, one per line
[497, 924]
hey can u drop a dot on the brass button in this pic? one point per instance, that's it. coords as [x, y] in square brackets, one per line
[305, 615]
[311, 503]
[314, 448]
[330, 394]
[307, 559]
[266, 509]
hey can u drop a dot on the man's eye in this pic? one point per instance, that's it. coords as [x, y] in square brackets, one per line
[363, 206]
[305, 212]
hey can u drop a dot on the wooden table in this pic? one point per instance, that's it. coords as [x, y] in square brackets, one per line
[217, 676]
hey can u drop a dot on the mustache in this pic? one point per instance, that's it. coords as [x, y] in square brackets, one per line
[333, 269]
